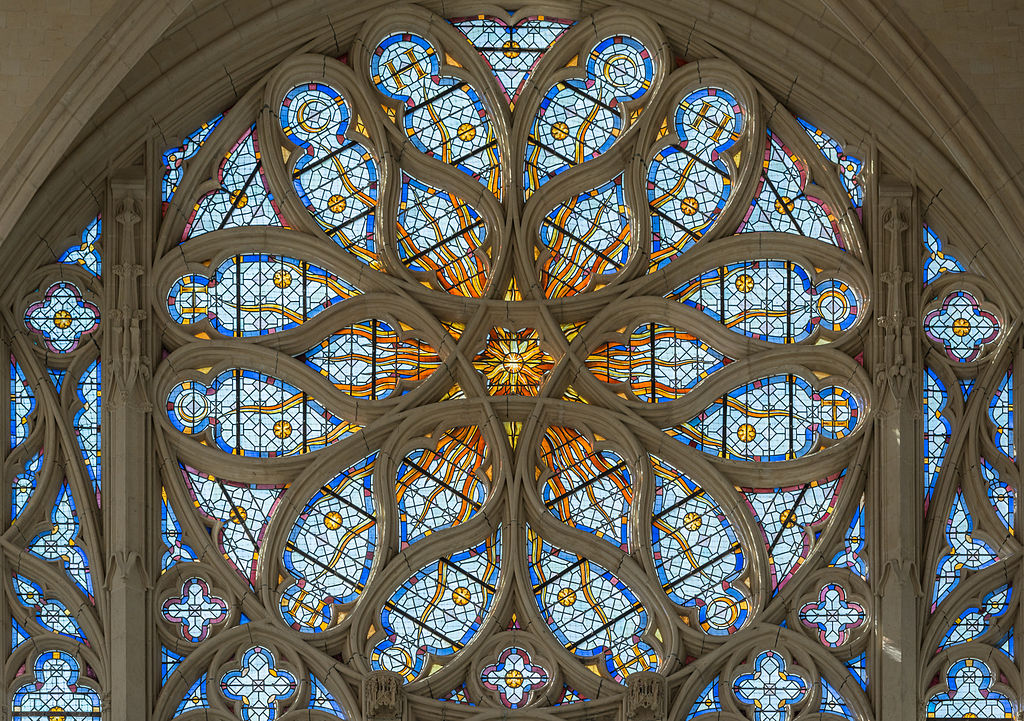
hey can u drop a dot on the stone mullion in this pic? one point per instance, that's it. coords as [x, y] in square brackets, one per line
[894, 493]
[130, 505]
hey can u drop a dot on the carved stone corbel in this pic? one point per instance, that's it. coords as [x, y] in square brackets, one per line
[646, 697]
[383, 697]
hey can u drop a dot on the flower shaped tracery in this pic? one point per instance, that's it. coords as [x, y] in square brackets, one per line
[832, 615]
[961, 326]
[62, 317]
[514, 676]
[461, 357]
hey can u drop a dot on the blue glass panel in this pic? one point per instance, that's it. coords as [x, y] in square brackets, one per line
[590, 611]
[689, 182]
[86, 254]
[707, 702]
[24, 484]
[195, 697]
[849, 167]
[970, 694]
[511, 51]
[243, 512]
[257, 294]
[56, 686]
[697, 554]
[243, 198]
[438, 610]
[771, 300]
[852, 556]
[177, 551]
[174, 158]
[330, 548]
[783, 515]
[62, 543]
[169, 662]
[87, 424]
[50, 613]
[23, 403]
[780, 203]
[771, 419]
[18, 634]
[253, 414]
[833, 702]
[1000, 494]
[936, 431]
[444, 117]
[975, 621]
[579, 118]
[965, 552]
[1000, 411]
[335, 177]
[937, 262]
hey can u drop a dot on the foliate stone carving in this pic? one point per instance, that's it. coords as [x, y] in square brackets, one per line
[383, 697]
[646, 697]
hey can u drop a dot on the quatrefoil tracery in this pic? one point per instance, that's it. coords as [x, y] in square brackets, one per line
[409, 283]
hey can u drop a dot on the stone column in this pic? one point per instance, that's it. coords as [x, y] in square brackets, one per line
[894, 492]
[129, 502]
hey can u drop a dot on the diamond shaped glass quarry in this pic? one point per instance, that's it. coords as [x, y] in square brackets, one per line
[62, 317]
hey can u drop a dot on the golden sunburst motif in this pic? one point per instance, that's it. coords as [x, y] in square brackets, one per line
[513, 362]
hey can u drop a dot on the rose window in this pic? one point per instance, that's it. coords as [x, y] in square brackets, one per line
[505, 363]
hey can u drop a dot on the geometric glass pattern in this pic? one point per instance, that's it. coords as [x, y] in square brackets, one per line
[970, 694]
[848, 166]
[689, 183]
[770, 688]
[580, 118]
[514, 676]
[464, 371]
[771, 300]
[438, 610]
[511, 50]
[259, 685]
[772, 419]
[833, 615]
[966, 552]
[781, 204]
[56, 693]
[62, 317]
[961, 326]
[442, 117]
[591, 612]
[86, 254]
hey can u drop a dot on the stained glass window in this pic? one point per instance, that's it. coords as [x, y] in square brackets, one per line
[504, 363]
